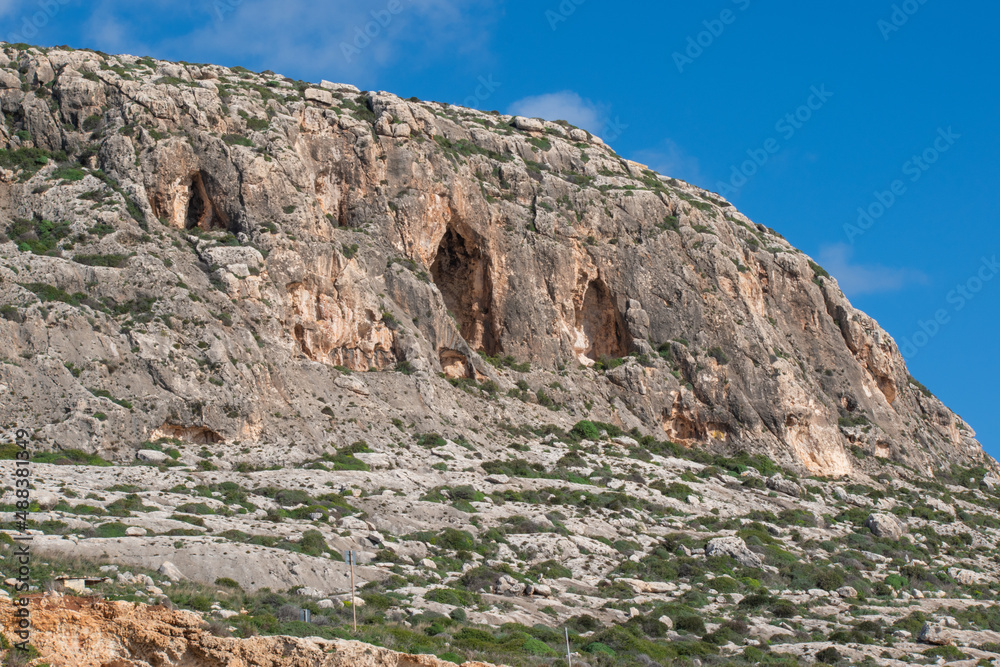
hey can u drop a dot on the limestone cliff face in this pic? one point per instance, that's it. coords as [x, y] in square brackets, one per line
[84, 632]
[267, 236]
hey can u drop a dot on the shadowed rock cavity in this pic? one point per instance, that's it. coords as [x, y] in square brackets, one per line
[461, 272]
[601, 331]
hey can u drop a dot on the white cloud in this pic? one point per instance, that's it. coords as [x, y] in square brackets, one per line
[671, 160]
[300, 38]
[857, 279]
[565, 105]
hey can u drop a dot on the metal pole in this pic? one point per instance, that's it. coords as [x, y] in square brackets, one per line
[569, 656]
[354, 607]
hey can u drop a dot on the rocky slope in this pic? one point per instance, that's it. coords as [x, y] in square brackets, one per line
[253, 323]
[214, 248]
[80, 632]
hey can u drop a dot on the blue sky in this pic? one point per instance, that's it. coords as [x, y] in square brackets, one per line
[803, 114]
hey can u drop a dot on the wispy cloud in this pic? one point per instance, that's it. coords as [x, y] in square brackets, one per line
[564, 105]
[857, 279]
[671, 160]
[296, 37]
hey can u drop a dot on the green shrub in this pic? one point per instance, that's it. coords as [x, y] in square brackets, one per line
[68, 457]
[829, 656]
[692, 624]
[114, 529]
[112, 261]
[237, 140]
[312, 543]
[453, 597]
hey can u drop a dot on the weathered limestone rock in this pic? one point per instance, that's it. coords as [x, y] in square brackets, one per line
[734, 547]
[170, 571]
[936, 633]
[785, 486]
[151, 456]
[528, 124]
[318, 95]
[885, 525]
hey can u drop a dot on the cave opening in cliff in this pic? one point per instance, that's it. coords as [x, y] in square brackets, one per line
[602, 325]
[462, 273]
[201, 212]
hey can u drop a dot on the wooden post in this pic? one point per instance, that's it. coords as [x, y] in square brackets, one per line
[354, 607]
[569, 656]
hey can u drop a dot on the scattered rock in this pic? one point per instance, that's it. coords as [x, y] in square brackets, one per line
[885, 525]
[318, 95]
[170, 571]
[786, 486]
[734, 547]
[528, 124]
[151, 456]
[935, 633]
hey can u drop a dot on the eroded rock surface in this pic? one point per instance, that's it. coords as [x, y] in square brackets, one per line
[222, 246]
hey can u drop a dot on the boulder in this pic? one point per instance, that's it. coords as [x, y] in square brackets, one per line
[734, 547]
[46, 501]
[224, 256]
[352, 383]
[936, 633]
[966, 577]
[151, 456]
[319, 95]
[542, 590]
[847, 592]
[310, 592]
[135, 531]
[885, 525]
[170, 571]
[785, 486]
[640, 586]
[528, 124]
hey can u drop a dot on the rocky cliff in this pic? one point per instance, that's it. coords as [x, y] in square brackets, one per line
[265, 267]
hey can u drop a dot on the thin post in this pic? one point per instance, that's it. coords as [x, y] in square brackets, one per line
[354, 607]
[569, 656]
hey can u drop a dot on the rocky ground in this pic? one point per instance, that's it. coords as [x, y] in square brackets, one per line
[586, 528]
[252, 323]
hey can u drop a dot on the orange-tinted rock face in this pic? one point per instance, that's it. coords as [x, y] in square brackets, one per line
[266, 243]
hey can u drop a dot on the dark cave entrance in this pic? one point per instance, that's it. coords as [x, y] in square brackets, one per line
[201, 212]
[602, 324]
[461, 272]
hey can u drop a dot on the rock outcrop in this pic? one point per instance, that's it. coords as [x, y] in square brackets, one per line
[210, 250]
